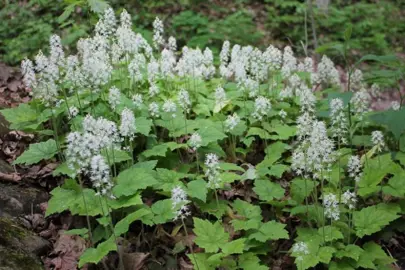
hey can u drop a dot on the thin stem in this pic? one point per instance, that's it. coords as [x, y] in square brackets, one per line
[198, 165]
[216, 198]
[313, 26]
[86, 209]
[190, 246]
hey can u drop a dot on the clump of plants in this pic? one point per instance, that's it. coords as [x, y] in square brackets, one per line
[264, 158]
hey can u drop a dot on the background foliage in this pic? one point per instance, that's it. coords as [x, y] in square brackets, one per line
[28, 24]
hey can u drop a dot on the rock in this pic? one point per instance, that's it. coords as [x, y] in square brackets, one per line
[20, 248]
[17, 201]
[4, 166]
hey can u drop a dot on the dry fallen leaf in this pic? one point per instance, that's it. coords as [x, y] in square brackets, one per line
[134, 261]
[185, 265]
[68, 249]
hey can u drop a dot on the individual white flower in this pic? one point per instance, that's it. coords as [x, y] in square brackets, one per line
[167, 63]
[135, 68]
[27, 70]
[80, 148]
[153, 68]
[356, 79]
[224, 55]
[375, 91]
[231, 122]
[273, 57]
[262, 107]
[289, 62]
[377, 138]
[100, 176]
[304, 125]
[349, 199]
[114, 97]
[170, 107]
[331, 205]
[105, 131]
[212, 171]
[300, 249]
[158, 33]
[56, 50]
[154, 110]
[153, 90]
[306, 66]
[96, 68]
[320, 153]
[286, 92]
[195, 141]
[282, 114]
[249, 86]
[137, 100]
[306, 97]
[73, 111]
[298, 162]
[339, 120]
[125, 19]
[172, 44]
[220, 96]
[361, 102]
[183, 98]
[106, 25]
[354, 168]
[179, 203]
[327, 73]
[127, 127]
[395, 105]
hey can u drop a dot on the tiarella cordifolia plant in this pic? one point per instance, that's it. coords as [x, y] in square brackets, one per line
[288, 167]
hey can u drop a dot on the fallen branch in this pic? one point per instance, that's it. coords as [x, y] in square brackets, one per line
[12, 177]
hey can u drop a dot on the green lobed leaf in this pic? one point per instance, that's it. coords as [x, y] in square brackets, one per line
[200, 261]
[301, 188]
[209, 236]
[372, 219]
[249, 260]
[210, 134]
[20, 116]
[133, 179]
[198, 189]
[331, 233]
[126, 201]
[162, 211]
[143, 125]
[94, 255]
[234, 247]
[271, 230]
[122, 226]
[37, 152]
[168, 179]
[268, 190]
[350, 251]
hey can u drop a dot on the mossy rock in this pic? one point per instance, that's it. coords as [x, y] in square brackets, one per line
[20, 248]
[18, 260]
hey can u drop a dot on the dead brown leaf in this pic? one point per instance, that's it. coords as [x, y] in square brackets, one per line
[68, 249]
[135, 261]
[185, 265]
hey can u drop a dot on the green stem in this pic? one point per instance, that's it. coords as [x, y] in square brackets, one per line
[191, 245]
[86, 209]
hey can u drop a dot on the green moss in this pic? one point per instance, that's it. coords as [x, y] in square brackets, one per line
[13, 260]
[10, 231]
